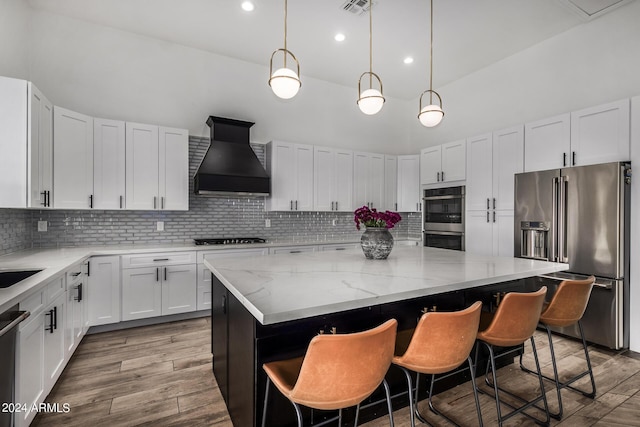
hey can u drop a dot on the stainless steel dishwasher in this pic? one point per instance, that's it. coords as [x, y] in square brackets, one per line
[9, 321]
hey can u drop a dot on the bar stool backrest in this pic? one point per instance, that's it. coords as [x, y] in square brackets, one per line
[569, 302]
[341, 370]
[515, 320]
[442, 341]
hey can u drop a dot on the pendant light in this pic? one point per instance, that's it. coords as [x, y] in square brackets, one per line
[370, 100]
[284, 82]
[432, 114]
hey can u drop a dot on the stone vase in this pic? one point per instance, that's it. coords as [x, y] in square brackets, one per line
[376, 243]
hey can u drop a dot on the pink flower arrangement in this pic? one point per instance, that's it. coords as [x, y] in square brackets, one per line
[373, 218]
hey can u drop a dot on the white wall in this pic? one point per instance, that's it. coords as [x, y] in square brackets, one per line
[14, 38]
[587, 65]
[110, 73]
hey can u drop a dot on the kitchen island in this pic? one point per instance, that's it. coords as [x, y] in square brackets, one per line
[269, 308]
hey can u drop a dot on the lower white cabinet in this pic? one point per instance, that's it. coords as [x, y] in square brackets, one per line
[76, 322]
[159, 290]
[54, 345]
[103, 299]
[204, 274]
[30, 366]
[489, 233]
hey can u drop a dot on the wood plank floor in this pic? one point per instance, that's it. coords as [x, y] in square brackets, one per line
[161, 375]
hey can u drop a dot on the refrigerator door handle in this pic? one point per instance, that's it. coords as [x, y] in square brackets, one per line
[562, 221]
[553, 256]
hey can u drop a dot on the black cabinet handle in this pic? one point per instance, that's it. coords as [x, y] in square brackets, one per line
[564, 159]
[91, 201]
[50, 327]
[157, 274]
[494, 216]
[44, 198]
[573, 158]
[165, 274]
[487, 216]
[442, 175]
[120, 202]
[88, 268]
[55, 317]
[438, 176]
[79, 295]
[160, 259]
[224, 304]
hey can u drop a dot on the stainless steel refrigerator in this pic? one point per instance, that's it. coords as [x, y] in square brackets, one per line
[580, 216]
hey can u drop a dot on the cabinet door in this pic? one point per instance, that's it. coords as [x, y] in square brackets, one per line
[508, 159]
[173, 169]
[54, 348]
[375, 191]
[409, 183]
[304, 177]
[13, 143]
[40, 149]
[141, 166]
[220, 336]
[479, 172]
[179, 285]
[454, 161]
[344, 181]
[30, 366]
[600, 134]
[141, 293]
[281, 169]
[391, 179]
[360, 178]
[72, 160]
[108, 164]
[547, 143]
[503, 233]
[103, 296]
[430, 165]
[478, 236]
[324, 181]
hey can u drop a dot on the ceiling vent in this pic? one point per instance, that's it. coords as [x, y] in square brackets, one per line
[591, 9]
[357, 7]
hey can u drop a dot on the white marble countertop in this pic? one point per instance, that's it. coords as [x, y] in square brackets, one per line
[288, 287]
[54, 262]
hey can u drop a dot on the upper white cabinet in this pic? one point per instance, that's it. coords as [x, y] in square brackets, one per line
[26, 126]
[108, 164]
[40, 149]
[157, 162]
[600, 134]
[391, 183]
[443, 163]
[594, 135]
[333, 179]
[290, 167]
[479, 188]
[368, 180]
[408, 191]
[72, 160]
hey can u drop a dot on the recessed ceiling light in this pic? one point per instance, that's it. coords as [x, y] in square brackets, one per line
[408, 60]
[339, 37]
[248, 6]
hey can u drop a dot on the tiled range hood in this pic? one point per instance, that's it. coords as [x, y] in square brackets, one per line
[230, 167]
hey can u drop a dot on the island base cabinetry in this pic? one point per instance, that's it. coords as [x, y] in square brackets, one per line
[241, 345]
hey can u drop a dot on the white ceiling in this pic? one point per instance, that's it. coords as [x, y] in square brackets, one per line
[468, 34]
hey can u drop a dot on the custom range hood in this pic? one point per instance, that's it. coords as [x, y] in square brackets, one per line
[230, 167]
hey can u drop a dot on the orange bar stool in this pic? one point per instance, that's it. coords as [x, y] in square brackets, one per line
[566, 309]
[513, 323]
[440, 343]
[338, 371]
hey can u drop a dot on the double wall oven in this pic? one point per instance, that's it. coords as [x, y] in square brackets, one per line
[444, 218]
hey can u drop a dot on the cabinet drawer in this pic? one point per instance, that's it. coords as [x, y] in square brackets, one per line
[292, 249]
[158, 259]
[55, 288]
[34, 303]
[339, 247]
[227, 253]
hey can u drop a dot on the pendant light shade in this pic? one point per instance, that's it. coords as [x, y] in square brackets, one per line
[431, 115]
[371, 99]
[285, 82]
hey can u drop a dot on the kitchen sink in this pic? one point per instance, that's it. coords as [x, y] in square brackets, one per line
[11, 277]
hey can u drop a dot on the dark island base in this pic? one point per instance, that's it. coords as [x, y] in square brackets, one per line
[241, 345]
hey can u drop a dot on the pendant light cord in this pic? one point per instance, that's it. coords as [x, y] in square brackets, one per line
[285, 33]
[370, 46]
[430, 57]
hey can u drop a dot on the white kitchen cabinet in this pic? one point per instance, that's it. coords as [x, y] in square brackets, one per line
[391, 183]
[368, 180]
[158, 290]
[443, 163]
[54, 345]
[103, 298]
[156, 167]
[290, 167]
[204, 274]
[298, 249]
[547, 143]
[333, 179]
[497, 157]
[26, 126]
[75, 308]
[409, 199]
[30, 387]
[108, 164]
[601, 134]
[72, 160]
[40, 149]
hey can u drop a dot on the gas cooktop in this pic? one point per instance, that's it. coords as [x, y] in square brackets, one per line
[229, 241]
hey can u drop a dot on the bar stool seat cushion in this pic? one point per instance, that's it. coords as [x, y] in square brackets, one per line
[568, 304]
